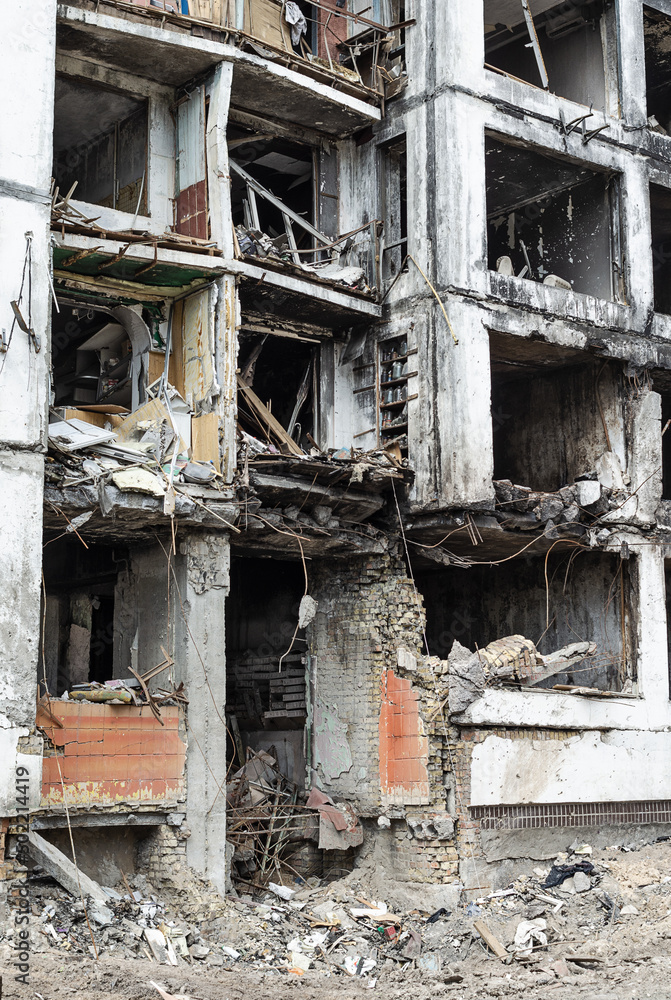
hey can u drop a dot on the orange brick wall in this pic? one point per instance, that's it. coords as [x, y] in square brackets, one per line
[404, 749]
[336, 31]
[111, 754]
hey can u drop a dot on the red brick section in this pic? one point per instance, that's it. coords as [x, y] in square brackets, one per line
[112, 754]
[336, 31]
[404, 750]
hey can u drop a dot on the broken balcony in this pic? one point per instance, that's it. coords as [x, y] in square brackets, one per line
[313, 64]
[571, 596]
[552, 221]
[277, 206]
[556, 46]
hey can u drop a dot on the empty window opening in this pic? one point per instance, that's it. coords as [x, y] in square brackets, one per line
[286, 171]
[78, 638]
[266, 705]
[657, 28]
[394, 199]
[552, 221]
[281, 374]
[660, 212]
[555, 46]
[586, 600]
[662, 385]
[100, 142]
[557, 415]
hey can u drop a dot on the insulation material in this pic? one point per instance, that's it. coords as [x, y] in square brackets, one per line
[198, 345]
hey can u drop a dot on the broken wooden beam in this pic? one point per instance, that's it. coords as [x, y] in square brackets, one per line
[490, 939]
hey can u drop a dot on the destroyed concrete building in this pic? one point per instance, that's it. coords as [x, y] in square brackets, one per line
[335, 373]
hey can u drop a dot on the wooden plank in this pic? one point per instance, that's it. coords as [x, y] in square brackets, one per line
[263, 20]
[266, 417]
[205, 439]
[62, 869]
[177, 334]
[490, 939]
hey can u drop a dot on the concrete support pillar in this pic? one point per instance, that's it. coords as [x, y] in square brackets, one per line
[28, 33]
[226, 325]
[200, 654]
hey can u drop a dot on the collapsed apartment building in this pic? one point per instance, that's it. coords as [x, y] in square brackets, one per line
[334, 378]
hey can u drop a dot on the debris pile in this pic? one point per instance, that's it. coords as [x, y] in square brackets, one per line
[577, 912]
[571, 510]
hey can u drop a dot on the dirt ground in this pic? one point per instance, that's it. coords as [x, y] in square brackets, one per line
[607, 937]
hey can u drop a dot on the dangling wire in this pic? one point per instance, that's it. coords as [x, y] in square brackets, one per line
[27, 265]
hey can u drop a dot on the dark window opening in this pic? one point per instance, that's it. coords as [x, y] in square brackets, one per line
[665, 392]
[586, 600]
[552, 221]
[559, 48]
[552, 409]
[266, 705]
[282, 373]
[285, 169]
[100, 142]
[394, 200]
[78, 615]
[657, 29]
[660, 212]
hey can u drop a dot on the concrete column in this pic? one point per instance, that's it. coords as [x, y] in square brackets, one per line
[200, 654]
[26, 122]
[226, 325]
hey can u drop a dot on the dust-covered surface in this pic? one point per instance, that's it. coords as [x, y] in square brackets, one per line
[604, 931]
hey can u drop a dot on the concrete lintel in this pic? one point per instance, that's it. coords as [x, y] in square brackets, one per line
[57, 821]
[287, 282]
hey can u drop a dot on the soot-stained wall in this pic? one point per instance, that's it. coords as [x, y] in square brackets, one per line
[582, 601]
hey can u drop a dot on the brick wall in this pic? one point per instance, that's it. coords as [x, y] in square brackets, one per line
[107, 755]
[367, 608]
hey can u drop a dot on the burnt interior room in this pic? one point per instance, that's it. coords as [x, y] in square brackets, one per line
[283, 372]
[584, 601]
[78, 613]
[551, 407]
[660, 214]
[100, 142]
[551, 221]
[284, 168]
[657, 30]
[92, 357]
[266, 698]
[569, 39]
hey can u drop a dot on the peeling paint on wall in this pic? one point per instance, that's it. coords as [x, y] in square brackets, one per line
[208, 563]
[332, 751]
